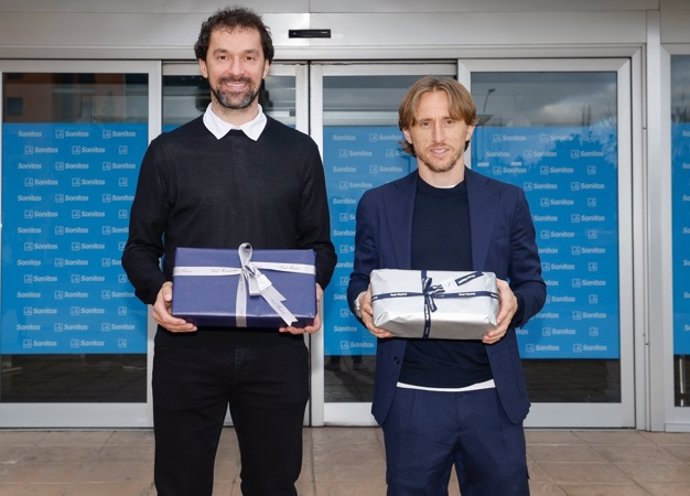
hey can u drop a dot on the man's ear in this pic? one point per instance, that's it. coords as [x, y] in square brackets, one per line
[203, 69]
[406, 133]
[267, 66]
[470, 132]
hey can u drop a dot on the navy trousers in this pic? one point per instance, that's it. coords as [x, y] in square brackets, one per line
[426, 433]
[267, 390]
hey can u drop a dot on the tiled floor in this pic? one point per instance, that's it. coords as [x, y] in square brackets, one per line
[341, 461]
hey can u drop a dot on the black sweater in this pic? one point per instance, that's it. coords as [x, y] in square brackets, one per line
[441, 241]
[198, 191]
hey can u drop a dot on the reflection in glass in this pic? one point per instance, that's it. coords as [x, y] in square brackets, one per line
[72, 98]
[680, 151]
[554, 134]
[523, 99]
[186, 97]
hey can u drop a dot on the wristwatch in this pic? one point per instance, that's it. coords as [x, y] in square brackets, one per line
[358, 305]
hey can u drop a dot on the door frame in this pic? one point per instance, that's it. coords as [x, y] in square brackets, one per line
[665, 414]
[631, 412]
[348, 413]
[632, 372]
[68, 415]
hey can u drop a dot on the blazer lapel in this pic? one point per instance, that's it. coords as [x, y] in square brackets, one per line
[482, 204]
[400, 210]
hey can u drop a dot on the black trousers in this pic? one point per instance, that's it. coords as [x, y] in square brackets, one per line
[266, 388]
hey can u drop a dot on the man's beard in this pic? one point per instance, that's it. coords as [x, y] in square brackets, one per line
[235, 101]
[442, 167]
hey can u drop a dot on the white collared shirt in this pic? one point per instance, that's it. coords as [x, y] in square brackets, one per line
[219, 128]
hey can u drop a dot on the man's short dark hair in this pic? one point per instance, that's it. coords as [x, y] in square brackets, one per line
[230, 19]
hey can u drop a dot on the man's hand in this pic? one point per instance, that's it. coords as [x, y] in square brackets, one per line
[162, 315]
[316, 325]
[507, 306]
[367, 311]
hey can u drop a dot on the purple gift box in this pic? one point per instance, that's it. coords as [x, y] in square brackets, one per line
[244, 287]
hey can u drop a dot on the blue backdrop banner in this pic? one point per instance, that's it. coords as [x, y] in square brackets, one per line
[356, 159]
[681, 237]
[66, 193]
[570, 177]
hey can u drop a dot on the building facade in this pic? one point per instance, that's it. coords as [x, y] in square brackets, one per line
[585, 107]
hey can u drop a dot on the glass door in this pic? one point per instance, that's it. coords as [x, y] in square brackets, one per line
[680, 231]
[354, 119]
[74, 338]
[564, 135]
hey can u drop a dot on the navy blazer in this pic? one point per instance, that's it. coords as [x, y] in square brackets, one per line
[503, 242]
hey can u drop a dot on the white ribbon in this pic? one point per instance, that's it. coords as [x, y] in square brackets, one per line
[252, 281]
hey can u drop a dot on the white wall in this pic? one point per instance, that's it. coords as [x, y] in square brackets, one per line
[361, 29]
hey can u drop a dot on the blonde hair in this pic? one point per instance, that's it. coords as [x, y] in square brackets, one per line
[460, 103]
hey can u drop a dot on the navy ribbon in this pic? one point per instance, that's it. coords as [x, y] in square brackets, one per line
[431, 291]
[429, 304]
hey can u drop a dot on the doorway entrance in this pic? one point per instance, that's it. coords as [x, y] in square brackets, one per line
[578, 353]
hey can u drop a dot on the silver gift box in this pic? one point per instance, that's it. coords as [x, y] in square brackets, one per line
[434, 304]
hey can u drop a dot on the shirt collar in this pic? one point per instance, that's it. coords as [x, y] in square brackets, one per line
[219, 128]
